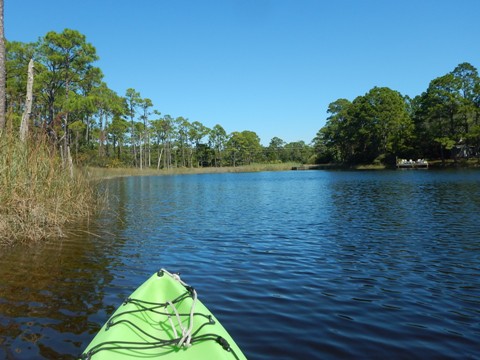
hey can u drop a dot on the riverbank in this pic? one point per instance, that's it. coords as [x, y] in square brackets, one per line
[98, 173]
[106, 173]
[462, 163]
[434, 164]
[332, 166]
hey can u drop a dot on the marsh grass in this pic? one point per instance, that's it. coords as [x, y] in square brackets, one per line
[38, 197]
[105, 173]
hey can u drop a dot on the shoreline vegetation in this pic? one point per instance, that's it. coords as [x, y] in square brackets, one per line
[101, 173]
[103, 128]
[432, 164]
[66, 130]
[39, 196]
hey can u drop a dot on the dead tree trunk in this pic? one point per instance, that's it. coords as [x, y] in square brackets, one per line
[70, 162]
[28, 104]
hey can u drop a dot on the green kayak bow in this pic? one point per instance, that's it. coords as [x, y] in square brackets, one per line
[163, 319]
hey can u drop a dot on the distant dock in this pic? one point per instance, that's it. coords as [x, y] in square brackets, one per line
[412, 164]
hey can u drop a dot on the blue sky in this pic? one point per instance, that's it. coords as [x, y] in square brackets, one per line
[269, 66]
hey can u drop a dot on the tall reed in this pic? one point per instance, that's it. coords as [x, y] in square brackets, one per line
[38, 196]
[104, 173]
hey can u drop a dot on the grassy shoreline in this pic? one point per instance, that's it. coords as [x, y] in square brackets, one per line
[108, 173]
[38, 196]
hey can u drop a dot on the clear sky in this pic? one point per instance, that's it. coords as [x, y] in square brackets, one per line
[269, 66]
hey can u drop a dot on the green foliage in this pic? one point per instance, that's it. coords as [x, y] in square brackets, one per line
[243, 148]
[67, 61]
[217, 138]
[449, 109]
[275, 150]
[298, 152]
[445, 142]
[360, 131]
[383, 124]
[78, 110]
[74, 105]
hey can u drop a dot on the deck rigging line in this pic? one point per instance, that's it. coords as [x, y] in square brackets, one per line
[186, 338]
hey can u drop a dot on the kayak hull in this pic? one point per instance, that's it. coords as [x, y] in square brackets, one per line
[163, 319]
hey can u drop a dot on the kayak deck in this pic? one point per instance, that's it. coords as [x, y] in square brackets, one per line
[163, 318]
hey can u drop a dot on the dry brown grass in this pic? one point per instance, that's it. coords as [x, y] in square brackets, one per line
[38, 196]
[105, 173]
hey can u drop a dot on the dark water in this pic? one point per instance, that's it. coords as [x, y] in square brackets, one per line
[296, 265]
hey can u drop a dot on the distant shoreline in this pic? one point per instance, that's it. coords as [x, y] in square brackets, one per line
[433, 164]
[98, 173]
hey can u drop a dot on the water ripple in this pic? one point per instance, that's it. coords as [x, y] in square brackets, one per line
[295, 264]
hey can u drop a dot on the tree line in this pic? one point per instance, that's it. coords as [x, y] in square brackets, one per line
[92, 124]
[382, 125]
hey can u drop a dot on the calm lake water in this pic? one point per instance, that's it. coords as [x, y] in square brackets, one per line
[296, 265]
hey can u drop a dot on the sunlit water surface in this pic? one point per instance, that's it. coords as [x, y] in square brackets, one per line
[296, 265]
